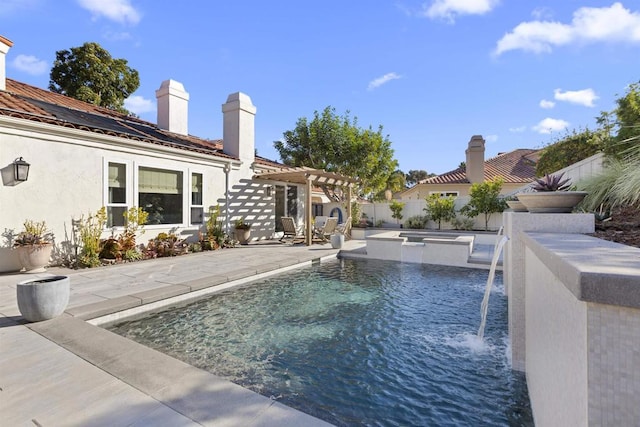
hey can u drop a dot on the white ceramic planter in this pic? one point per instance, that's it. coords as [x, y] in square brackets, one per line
[551, 201]
[43, 298]
[34, 258]
[337, 240]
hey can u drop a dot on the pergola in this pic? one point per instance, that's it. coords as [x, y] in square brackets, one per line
[310, 177]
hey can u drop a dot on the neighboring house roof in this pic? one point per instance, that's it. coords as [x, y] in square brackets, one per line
[517, 166]
[32, 103]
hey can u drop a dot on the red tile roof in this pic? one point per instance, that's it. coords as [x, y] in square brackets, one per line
[32, 103]
[517, 166]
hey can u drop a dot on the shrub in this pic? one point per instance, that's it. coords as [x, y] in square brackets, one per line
[462, 223]
[417, 222]
[90, 232]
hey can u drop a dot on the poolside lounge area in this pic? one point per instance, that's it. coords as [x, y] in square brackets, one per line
[67, 371]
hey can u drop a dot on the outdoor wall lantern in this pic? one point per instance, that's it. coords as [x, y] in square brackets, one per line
[20, 169]
[269, 190]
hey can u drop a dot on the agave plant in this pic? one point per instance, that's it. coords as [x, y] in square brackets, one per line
[552, 183]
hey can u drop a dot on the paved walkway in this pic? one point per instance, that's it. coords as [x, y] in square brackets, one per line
[66, 371]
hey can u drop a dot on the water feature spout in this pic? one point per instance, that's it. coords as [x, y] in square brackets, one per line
[484, 307]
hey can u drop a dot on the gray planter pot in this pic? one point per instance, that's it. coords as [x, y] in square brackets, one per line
[243, 235]
[43, 298]
[337, 240]
[551, 201]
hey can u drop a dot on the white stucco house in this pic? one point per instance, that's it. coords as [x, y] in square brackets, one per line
[82, 157]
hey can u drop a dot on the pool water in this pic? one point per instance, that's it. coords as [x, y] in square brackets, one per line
[356, 342]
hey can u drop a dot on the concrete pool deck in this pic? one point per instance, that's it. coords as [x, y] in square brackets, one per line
[67, 371]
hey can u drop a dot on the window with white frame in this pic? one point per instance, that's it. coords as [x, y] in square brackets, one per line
[160, 194]
[197, 209]
[116, 194]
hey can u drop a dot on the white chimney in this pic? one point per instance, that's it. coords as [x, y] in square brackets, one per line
[475, 159]
[238, 139]
[5, 45]
[173, 107]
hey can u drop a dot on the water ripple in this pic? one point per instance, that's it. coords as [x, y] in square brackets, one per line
[356, 343]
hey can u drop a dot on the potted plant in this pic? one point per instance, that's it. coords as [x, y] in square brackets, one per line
[43, 298]
[34, 246]
[551, 194]
[515, 204]
[242, 231]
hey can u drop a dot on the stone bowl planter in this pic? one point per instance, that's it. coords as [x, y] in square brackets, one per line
[516, 206]
[43, 298]
[551, 201]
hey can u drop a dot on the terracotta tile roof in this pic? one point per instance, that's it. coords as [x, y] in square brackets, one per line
[32, 103]
[517, 166]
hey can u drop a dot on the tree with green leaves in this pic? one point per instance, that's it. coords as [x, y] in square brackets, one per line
[618, 185]
[627, 115]
[415, 176]
[337, 144]
[90, 74]
[395, 183]
[396, 210]
[485, 199]
[440, 208]
[570, 149]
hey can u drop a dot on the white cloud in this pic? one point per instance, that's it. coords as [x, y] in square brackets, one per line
[589, 24]
[449, 9]
[382, 80]
[138, 105]
[30, 64]
[518, 129]
[582, 97]
[547, 104]
[120, 11]
[491, 138]
[550, 125]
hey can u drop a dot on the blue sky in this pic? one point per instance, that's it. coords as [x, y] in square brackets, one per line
[432, 73]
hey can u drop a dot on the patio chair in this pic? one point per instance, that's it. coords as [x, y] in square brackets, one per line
[322, 234]
[290, 230]
[345, 228]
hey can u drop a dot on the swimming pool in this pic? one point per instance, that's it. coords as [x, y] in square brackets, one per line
[356, 342]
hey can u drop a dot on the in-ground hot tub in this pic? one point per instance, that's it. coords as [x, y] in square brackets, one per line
[452, 249]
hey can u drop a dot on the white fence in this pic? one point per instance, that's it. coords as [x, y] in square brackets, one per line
[377, 212]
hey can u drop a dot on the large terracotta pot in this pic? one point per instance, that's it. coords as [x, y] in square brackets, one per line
[43, 298]
[34, 258]
[551, 201]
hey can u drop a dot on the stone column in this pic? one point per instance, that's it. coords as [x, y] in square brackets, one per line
[514, 265]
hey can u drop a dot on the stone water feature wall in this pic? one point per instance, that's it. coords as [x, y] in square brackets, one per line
[579, 323]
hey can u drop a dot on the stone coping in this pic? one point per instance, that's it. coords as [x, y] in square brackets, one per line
[594, 270]
[200, 396]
